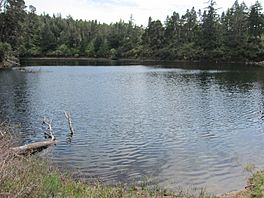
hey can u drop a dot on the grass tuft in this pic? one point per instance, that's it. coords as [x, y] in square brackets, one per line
[257, 184]
[31, 176]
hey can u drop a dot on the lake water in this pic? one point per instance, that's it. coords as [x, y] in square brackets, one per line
[194, 126]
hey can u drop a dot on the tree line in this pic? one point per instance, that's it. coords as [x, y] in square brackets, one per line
[236, 34]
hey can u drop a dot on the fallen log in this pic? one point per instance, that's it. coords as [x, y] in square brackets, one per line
[32, 148]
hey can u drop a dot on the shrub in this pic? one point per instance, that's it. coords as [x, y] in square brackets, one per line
[5, 51]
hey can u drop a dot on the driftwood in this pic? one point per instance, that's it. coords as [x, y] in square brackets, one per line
[32, 148]
[50, 132]
[2, 133]
[29, 149]
[68, 117]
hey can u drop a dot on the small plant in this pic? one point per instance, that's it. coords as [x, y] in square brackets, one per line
[250, 168]
[257, 184]
[51, 184]
[33, 177]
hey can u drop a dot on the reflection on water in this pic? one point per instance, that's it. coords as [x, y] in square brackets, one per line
[180, 126]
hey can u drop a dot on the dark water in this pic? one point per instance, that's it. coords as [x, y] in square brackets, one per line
[193, 126]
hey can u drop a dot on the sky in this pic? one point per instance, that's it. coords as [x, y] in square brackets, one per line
[107, 11]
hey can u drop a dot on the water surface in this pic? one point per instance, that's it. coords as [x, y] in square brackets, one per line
[181, 125]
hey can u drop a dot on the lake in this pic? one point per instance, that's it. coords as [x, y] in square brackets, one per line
[176, 125]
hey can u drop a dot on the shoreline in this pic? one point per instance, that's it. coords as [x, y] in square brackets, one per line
[46, 175]
[139, 60]
[32, 176]
[119, 62]
[9, 63]
[261, 63]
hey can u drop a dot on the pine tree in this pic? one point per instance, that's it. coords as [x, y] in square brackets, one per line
[12, 27]
[235, 31]
[209, 33]
[256, 23]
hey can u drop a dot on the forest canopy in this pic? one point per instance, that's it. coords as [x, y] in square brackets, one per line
[234, 35]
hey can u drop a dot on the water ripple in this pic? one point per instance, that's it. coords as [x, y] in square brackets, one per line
[178, 126]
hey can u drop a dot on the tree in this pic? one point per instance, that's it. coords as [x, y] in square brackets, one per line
[153, 38]
[209, 34]
[235, 31]
[173, 29]
[256, 31]
[236, 35]
[47, 38]
[5, 51]
[31, 38]
[12, 27]
[190, 25]
[256, 22]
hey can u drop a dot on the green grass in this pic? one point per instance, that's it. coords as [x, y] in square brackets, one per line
[34, 177]
[257, 184]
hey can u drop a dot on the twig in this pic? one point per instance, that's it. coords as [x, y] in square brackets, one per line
[50, 133]
[32, 148]
[68, 117]
[250, 186]
[3, 123]
[29, 190]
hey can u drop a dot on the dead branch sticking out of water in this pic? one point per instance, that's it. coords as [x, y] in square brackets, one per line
[32, 148]
[2, 133]
[49, 134]
[68, 117]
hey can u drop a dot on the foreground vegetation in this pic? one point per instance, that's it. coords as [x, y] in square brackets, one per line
[257, 184]
[30, 176]
[235, 35]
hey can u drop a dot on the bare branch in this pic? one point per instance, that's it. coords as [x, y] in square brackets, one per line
[50, 132]
[3, 123]
[68, 117]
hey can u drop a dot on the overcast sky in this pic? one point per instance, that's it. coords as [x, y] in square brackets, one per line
[113, 10]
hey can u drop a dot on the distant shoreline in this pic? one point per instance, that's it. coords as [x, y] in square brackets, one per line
[135, 61]
[126, 61]
[104, 59]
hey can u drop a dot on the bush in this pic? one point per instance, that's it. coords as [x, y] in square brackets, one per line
[189, 51]
[5, 51]
[63, 51]
[34, 51]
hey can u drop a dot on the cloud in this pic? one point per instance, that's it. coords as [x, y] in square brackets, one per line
[113, 10]
[112, 3]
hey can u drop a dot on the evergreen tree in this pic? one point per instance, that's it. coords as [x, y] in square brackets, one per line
[255, 20]
[235, 31]
[12, 23]
[209, 33]
[236, 35]
[190, 25]
[153, 38]
[256, 32]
